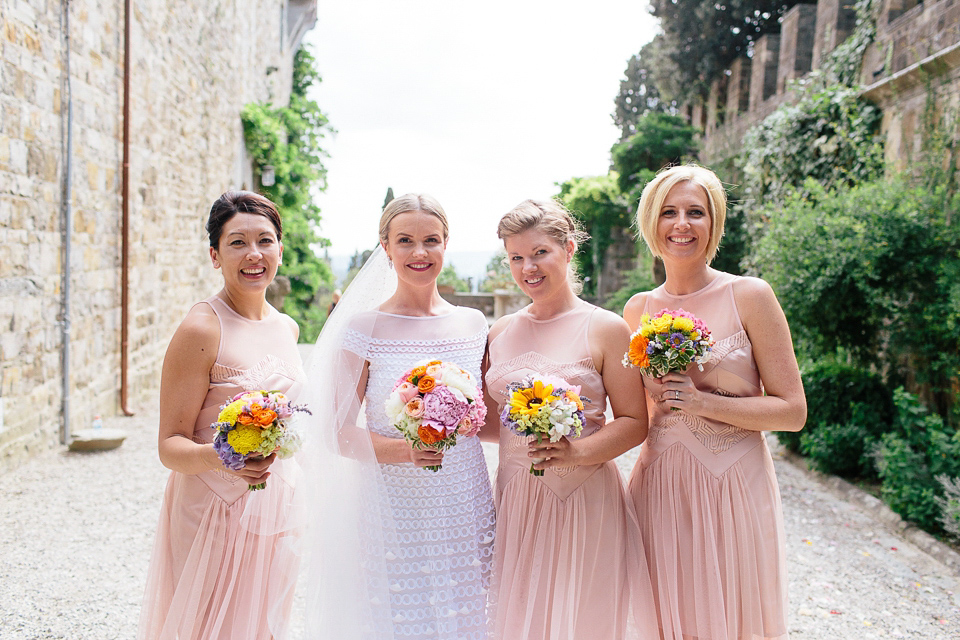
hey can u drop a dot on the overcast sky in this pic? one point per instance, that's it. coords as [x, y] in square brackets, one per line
[479, 104]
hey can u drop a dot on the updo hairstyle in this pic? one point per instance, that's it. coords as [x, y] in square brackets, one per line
[233, 202]
[412, 202]
[551, 218]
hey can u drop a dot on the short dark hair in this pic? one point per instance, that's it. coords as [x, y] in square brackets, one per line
[233, 202]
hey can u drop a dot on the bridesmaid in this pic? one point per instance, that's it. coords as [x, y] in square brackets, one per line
[567, 557]
[220, 565]
[704, 486]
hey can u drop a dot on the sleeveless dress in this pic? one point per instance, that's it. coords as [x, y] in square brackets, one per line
[567, 553]
[707, 496]
[439, 525]
[222, 562]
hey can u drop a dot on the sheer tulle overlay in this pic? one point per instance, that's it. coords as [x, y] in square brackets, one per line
[393, 551]
[224, 560]
[568, 560]
[707, 497]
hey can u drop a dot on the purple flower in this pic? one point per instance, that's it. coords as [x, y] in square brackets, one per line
[230, 458]
[441, 407]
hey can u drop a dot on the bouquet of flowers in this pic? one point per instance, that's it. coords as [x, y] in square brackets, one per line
[543, 407]
[668, 341]
[433, 403]
[254, 423]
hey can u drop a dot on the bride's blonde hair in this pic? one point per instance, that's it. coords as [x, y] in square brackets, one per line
[412, 202]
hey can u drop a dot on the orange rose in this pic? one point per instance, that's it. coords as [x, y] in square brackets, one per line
[417, 373]
[266, 417]
[426, 384]
[245, 418]
[429, 435]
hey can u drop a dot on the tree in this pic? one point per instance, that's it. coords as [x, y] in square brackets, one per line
[498, 274]
[288, 141]
[702, 37]
[640, 89]
[661, 139]
[450, 278]
[597, 202]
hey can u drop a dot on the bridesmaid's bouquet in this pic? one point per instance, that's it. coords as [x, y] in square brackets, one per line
[668, 341]
[255, 423]
[543, 407]
[433, 403]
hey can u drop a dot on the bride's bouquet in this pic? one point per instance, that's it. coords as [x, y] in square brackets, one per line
[255, 423]
[434, 402]
[543, 407]
[668, 341]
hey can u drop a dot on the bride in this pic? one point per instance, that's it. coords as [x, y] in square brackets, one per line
[396, 551]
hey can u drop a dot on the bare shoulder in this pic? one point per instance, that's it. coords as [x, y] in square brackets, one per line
[754, 296]
[634, 309]
[197, 337]
[608, 321]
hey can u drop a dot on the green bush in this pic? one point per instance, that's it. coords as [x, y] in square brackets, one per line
[845, 448]
[912, 457]
[839, 395]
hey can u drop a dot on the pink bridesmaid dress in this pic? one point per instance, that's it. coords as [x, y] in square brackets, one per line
[223, 563]
[567, 556]
[707, 496]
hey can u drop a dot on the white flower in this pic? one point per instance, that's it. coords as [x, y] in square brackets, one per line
[393, 407]
[458, 380]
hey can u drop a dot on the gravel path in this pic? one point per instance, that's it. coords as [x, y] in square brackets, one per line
[76, 532]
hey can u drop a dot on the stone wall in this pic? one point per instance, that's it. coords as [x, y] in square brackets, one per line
[917, 50]
[194, 66]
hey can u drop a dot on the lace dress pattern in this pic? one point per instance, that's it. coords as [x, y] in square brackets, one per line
[440, 545]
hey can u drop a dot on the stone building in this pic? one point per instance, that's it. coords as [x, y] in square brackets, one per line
[916, 51]
[86, 315]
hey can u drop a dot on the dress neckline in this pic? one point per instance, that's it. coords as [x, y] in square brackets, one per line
[576, 307]
[400, 315]
[721, 276]
[223, 303]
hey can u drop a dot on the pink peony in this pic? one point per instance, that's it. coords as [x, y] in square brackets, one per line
[441, 406]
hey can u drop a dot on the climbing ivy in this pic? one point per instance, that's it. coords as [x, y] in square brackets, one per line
[288, 139]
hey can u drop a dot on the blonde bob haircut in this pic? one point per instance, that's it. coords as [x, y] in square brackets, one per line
[412, 202]
[551, 218]
[656, 191]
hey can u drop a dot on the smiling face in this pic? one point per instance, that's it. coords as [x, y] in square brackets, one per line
[415, 244]
[248, 252]
[683, 225]
[538, 263]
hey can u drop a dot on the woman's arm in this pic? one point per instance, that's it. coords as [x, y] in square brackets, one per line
[184, 382]
[609, 337]
[490, 432]
[783, 407]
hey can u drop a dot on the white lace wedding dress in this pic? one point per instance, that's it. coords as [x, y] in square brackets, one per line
[438, 526]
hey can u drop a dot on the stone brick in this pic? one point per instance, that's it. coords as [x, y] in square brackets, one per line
[738, 87]
[797, 35]
[763, 76]
[835, 22]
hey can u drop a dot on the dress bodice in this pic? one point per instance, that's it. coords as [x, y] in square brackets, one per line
[555, 347]
[398, 343]
[731, 371]
[253, 354]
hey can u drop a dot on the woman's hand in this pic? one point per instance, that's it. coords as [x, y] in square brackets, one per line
[255, 470]
[426, 457]
[562, 453]
[679, 392]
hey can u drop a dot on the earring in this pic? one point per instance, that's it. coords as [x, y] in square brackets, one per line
[390, 262]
